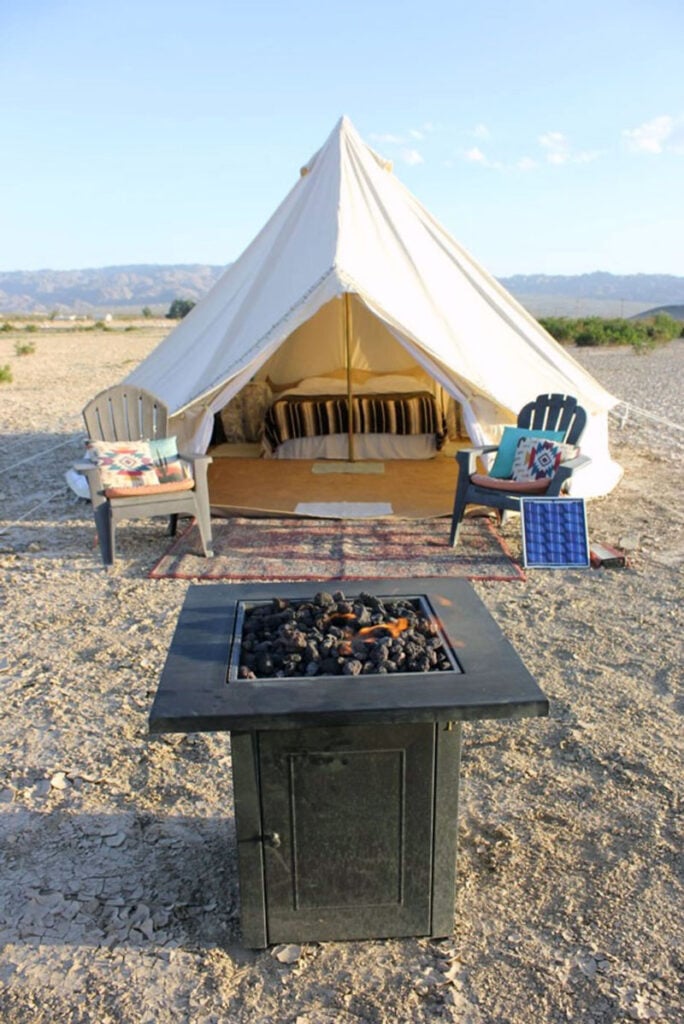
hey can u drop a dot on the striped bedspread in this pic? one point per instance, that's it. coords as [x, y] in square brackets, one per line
[293, 416]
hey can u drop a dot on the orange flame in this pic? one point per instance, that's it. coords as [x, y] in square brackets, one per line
[393, 628]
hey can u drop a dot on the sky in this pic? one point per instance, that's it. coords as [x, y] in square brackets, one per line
[546, 135]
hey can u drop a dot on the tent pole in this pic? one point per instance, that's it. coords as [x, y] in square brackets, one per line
[350, 407]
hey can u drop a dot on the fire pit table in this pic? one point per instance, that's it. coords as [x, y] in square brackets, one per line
[345, 775]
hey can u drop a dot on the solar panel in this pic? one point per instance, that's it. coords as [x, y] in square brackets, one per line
[554, 533]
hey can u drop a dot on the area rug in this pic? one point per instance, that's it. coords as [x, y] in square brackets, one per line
[282, 550]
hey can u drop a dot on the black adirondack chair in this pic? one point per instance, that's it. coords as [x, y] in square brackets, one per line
[546, 412]
[125, 413]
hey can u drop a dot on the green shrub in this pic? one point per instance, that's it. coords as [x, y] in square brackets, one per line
[663, 327]
[560, 328]
[593, 331]
[100, 325]
[147, 312]
[7, 326]
[24, 348]
[31, 328]
[6, 374]
[179, 308]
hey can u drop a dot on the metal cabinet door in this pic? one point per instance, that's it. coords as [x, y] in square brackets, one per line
[347, 825]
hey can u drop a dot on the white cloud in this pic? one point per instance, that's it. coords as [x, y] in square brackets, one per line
[481, 131]
[411, 157]
[659, 135]
[556, 146]
[476, 156]
[587, 157]
[410, 135]
[559, 151]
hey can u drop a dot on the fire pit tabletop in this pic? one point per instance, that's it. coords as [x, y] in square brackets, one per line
[194, 694]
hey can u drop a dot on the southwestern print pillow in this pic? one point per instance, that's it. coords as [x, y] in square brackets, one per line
[538, 459]
[123, 463]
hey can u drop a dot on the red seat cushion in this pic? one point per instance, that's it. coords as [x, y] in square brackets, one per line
[144, 492]
[492, 483]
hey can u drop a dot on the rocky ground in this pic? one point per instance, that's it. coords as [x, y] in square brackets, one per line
[118, 886]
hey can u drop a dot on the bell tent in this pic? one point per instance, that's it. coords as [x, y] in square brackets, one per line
[352, 274]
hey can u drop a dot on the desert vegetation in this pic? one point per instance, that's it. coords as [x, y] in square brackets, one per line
[180, 308]
[589, 332]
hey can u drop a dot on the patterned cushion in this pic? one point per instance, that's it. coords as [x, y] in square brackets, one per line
[170, 468]
[503, 463]
[536, 459]
[123, 463]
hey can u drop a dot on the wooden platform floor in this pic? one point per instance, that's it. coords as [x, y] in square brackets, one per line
[415, 489]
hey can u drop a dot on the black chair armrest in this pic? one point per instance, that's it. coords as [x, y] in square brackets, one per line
[564, 473]
[467, 457]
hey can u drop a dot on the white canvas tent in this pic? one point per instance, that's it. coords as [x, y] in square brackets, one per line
[350, 228]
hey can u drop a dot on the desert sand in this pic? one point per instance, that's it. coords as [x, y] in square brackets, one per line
[118, 883]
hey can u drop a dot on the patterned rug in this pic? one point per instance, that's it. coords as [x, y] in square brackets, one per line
[338, 549]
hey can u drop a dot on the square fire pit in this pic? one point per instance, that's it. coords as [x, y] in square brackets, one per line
[346, 784]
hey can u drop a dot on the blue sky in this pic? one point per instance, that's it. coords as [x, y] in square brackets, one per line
[546, 135]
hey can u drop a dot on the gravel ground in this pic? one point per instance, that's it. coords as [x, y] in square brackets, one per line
[118, 888]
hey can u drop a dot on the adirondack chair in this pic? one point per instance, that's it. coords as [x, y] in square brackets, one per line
[547, 412]
[124, 413]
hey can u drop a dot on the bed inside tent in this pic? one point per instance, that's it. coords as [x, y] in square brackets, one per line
[287, 438]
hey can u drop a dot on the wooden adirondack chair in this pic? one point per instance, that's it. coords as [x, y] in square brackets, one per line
[546, 412]
[124, 413]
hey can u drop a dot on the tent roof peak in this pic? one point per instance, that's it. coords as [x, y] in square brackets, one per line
[344, 135]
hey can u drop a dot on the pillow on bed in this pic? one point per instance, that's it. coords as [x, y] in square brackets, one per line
[332, 383]
[231, 421]
[389, 382]
[256, 398]
[243, 418]
[319, 386]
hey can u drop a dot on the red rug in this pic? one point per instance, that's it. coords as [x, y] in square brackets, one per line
[338, 549]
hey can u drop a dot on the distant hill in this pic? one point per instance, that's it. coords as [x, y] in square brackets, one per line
[105, 289]
[127, 289]
[596, 294]
[676, 312]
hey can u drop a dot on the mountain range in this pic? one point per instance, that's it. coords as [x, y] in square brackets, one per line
[128, 289]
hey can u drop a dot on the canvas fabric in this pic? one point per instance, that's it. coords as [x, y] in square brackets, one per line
[349, 227]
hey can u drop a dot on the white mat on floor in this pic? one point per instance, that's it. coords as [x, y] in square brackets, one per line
[344, 509]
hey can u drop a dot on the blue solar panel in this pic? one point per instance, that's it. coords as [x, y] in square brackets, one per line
[554, 533]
